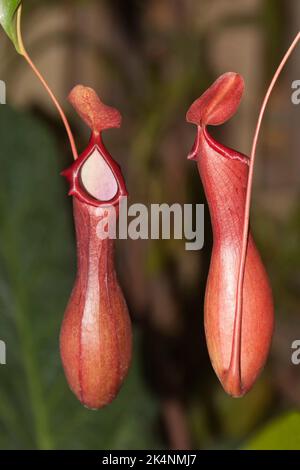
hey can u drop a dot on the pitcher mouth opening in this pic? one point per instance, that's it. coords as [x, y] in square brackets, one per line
[95, 178]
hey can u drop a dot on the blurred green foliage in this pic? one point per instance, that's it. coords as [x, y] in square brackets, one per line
[282, 433]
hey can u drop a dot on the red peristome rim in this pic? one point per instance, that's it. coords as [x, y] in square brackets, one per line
[72, 174]
[226, 152]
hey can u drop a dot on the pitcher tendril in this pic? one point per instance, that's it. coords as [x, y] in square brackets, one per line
[239, 295]
[26, 56]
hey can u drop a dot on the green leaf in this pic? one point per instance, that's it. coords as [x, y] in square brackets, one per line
[281, 434]
[8, 10]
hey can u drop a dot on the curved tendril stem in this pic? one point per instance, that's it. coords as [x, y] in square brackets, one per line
[236, 351]
[44, 83]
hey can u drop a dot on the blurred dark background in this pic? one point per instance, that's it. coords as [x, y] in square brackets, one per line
[150, 59]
